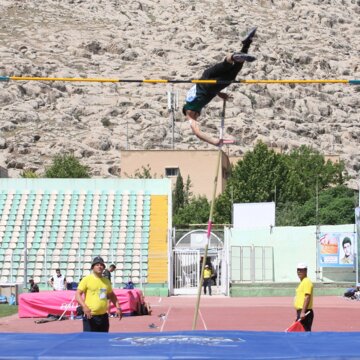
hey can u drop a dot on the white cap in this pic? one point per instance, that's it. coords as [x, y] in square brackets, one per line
[206, 265]
[301, 266]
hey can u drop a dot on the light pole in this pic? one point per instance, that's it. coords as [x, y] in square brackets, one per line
[173, 105]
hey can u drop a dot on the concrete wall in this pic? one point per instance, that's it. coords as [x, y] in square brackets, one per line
[200, 165]
[292, 245]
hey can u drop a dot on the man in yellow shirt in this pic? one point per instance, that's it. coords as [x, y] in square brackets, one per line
[207, 279]
[97, 290]
[304, 298]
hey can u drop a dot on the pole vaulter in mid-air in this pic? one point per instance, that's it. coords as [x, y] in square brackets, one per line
[201, 94]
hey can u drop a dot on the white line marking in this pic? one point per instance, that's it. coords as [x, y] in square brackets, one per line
[202, 319]
[166, 316]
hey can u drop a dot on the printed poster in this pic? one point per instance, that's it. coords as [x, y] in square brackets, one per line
[357, 223]
[336, 249]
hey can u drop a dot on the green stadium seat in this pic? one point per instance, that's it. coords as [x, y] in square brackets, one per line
[83, 246]
[13, 272]
[97, 246]
[31, 265]
[51, 244]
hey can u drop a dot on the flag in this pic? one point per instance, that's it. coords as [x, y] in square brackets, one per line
[295, 327]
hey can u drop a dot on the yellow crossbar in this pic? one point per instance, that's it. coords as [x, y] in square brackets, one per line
[194, 81]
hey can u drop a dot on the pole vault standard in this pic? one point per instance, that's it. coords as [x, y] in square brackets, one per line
[210, 220]
[194, 81]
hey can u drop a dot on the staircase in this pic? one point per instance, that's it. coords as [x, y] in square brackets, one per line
[158, 243]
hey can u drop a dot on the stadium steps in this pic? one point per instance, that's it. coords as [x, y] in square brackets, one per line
[158, 246]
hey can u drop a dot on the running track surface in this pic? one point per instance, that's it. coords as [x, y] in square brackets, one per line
[335, 314]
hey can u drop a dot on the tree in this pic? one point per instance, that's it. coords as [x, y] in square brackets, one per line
[288, 179]
[143, 173]
[308, 172]
[187, 191]
[67, 166]
[253, 179]
[336, 206]
[186, 209]
[196, 212]
[178, 198]
[29, 174]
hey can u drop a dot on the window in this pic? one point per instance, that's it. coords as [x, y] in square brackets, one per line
[171, 171]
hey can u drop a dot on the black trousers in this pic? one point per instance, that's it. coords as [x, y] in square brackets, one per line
[307, 322]
[207, 284]
[222, 71]
[98, 323]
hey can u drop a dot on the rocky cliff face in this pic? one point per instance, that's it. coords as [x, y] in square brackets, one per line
[173, 39]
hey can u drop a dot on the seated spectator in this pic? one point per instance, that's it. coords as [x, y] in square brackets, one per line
[129, 285]
[33, 287]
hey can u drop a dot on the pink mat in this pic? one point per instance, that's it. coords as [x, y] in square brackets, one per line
[55, 302]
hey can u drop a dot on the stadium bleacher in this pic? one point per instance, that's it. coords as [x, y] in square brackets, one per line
[64, 225]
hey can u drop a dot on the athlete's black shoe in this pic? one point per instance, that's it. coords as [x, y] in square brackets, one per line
[249, 36]
[242, 57]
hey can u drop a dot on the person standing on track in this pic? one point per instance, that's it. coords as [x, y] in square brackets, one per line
[107, 274]
[208, 274]
[97, 290]
[201, 94]
[304, 298]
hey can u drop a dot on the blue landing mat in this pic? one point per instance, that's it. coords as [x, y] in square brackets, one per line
[181, 345]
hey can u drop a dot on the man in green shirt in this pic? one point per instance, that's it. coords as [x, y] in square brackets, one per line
[201, 94]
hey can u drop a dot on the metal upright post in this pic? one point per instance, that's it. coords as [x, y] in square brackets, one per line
[79, 264]
[46, 265]
[356, 245]
[173, 105]
[317, 235]
[12, 267]
[25, 255]
[127, 135]
[222, 126]
[141, 270]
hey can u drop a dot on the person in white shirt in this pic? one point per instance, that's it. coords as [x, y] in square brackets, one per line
[58, 282]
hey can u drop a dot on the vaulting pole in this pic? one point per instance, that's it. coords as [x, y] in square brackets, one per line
[210, 221]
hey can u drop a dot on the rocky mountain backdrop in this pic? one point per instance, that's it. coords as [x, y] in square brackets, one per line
[173, 39]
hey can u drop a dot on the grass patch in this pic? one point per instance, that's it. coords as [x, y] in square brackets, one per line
[6, 310]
